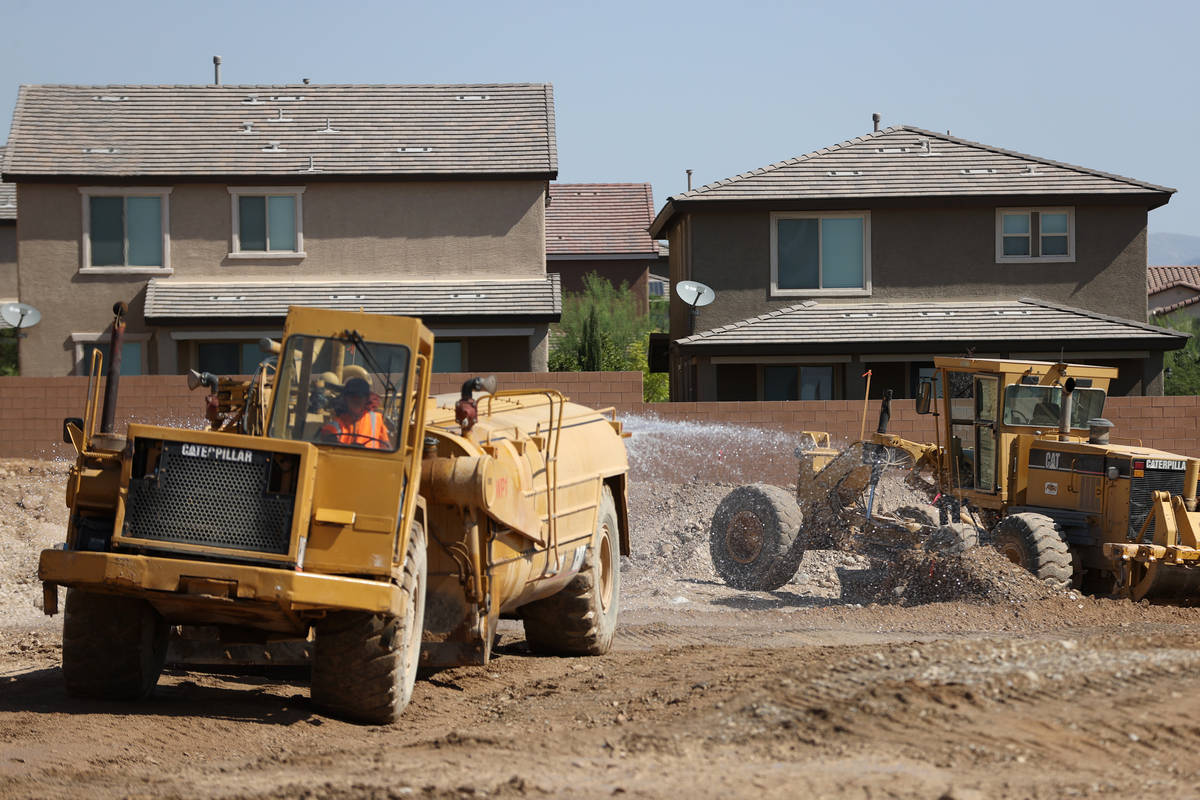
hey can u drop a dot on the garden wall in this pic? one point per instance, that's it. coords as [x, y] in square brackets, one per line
[32, 410]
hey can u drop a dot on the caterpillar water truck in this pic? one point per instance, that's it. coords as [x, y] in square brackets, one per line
[1023, 458]
[389, 549]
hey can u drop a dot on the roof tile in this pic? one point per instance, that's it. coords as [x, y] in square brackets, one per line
[600, 219]
[167, 298]
[8, 196]
[970, 322]
[904, 161]
[479, 129]
[1161, 278]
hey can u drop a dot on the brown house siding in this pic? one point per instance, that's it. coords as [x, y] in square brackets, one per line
[922, 253]
[360, 230]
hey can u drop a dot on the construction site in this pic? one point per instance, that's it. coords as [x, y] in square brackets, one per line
[905, 647]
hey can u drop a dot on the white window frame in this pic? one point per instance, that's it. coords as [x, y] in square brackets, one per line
[163, 193]
[81, 339]
[1036, 259]
[865, 291]
[235, 241]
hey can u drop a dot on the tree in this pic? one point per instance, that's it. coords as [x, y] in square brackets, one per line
[8, 352]
[601, 330]
[1181, 368]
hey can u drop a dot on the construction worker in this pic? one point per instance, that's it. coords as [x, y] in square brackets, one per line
[355, 418]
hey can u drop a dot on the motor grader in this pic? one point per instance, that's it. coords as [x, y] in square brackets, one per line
[1023, 459]
[387, 552]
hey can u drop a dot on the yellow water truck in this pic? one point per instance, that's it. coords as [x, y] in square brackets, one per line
[387, 551]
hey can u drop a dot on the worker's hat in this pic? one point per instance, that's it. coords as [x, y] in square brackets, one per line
[357, 386]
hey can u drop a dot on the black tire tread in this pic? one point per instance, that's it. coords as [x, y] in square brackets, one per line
[113, 647]
[784, 546]
[1044, 541]
[358, 661]
[572, 622]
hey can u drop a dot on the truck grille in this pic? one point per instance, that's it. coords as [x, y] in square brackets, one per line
[1141, 494]
[212, 496]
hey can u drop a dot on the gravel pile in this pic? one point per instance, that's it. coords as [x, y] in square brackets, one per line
[670, 528]
[33, 517]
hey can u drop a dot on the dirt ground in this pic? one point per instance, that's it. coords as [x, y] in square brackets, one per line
[964, 678]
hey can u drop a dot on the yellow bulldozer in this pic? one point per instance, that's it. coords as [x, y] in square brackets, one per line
[1023, 459]
[333, 502]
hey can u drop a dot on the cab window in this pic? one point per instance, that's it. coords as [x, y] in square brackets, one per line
[1039, 406]
[340, 392]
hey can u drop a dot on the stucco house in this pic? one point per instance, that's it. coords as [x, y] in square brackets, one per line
[211, 209]
[1173, 291]
[881, 252]
[8, 242]
[602, 228]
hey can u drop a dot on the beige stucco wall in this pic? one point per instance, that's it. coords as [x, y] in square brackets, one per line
[386, 230]
[8, 259]
[924, 254]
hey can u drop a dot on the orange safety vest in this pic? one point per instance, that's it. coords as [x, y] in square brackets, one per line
[368, 431]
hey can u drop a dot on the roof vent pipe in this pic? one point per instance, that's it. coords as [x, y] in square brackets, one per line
[217, 70]
[689, 174]
[876, 118]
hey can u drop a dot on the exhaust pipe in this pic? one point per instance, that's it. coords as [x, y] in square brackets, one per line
[113, 381]
[1064, 414]
[1191, 476]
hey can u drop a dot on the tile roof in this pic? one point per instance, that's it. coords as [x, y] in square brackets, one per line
[1024, 320]
[908, 162]
[604, 219]
[1164, 310]
[1161, 278]
[533, 298]
[8, 196]
[482, 129]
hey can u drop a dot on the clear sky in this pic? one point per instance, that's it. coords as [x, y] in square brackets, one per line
[646, 90]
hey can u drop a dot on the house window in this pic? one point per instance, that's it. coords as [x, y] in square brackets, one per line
[448, 356]
[774, 382]
[125, 229]
[133, 353]
[825, 253]
[267, 222]
[1035, 234]
[228, 358]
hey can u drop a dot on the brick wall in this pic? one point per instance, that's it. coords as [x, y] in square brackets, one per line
[597, 389]
[32, 409]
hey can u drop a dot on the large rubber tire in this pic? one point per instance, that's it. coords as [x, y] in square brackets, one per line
[581, 618]
[113, 647]
[365, 665]
[1037, 543]
[755, 537]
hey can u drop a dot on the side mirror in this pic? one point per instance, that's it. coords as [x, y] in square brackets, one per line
[924, 396]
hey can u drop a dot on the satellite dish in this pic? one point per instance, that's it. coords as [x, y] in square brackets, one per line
[694, 293]
[20, 315]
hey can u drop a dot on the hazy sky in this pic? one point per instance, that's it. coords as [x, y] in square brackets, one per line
[647, 90]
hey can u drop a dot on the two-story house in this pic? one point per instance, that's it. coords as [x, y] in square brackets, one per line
[211, 209]
[8, 242]
[602, 228]
[884, 251]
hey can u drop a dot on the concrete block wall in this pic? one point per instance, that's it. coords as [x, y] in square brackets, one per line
[32, 409]
[597, 389]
